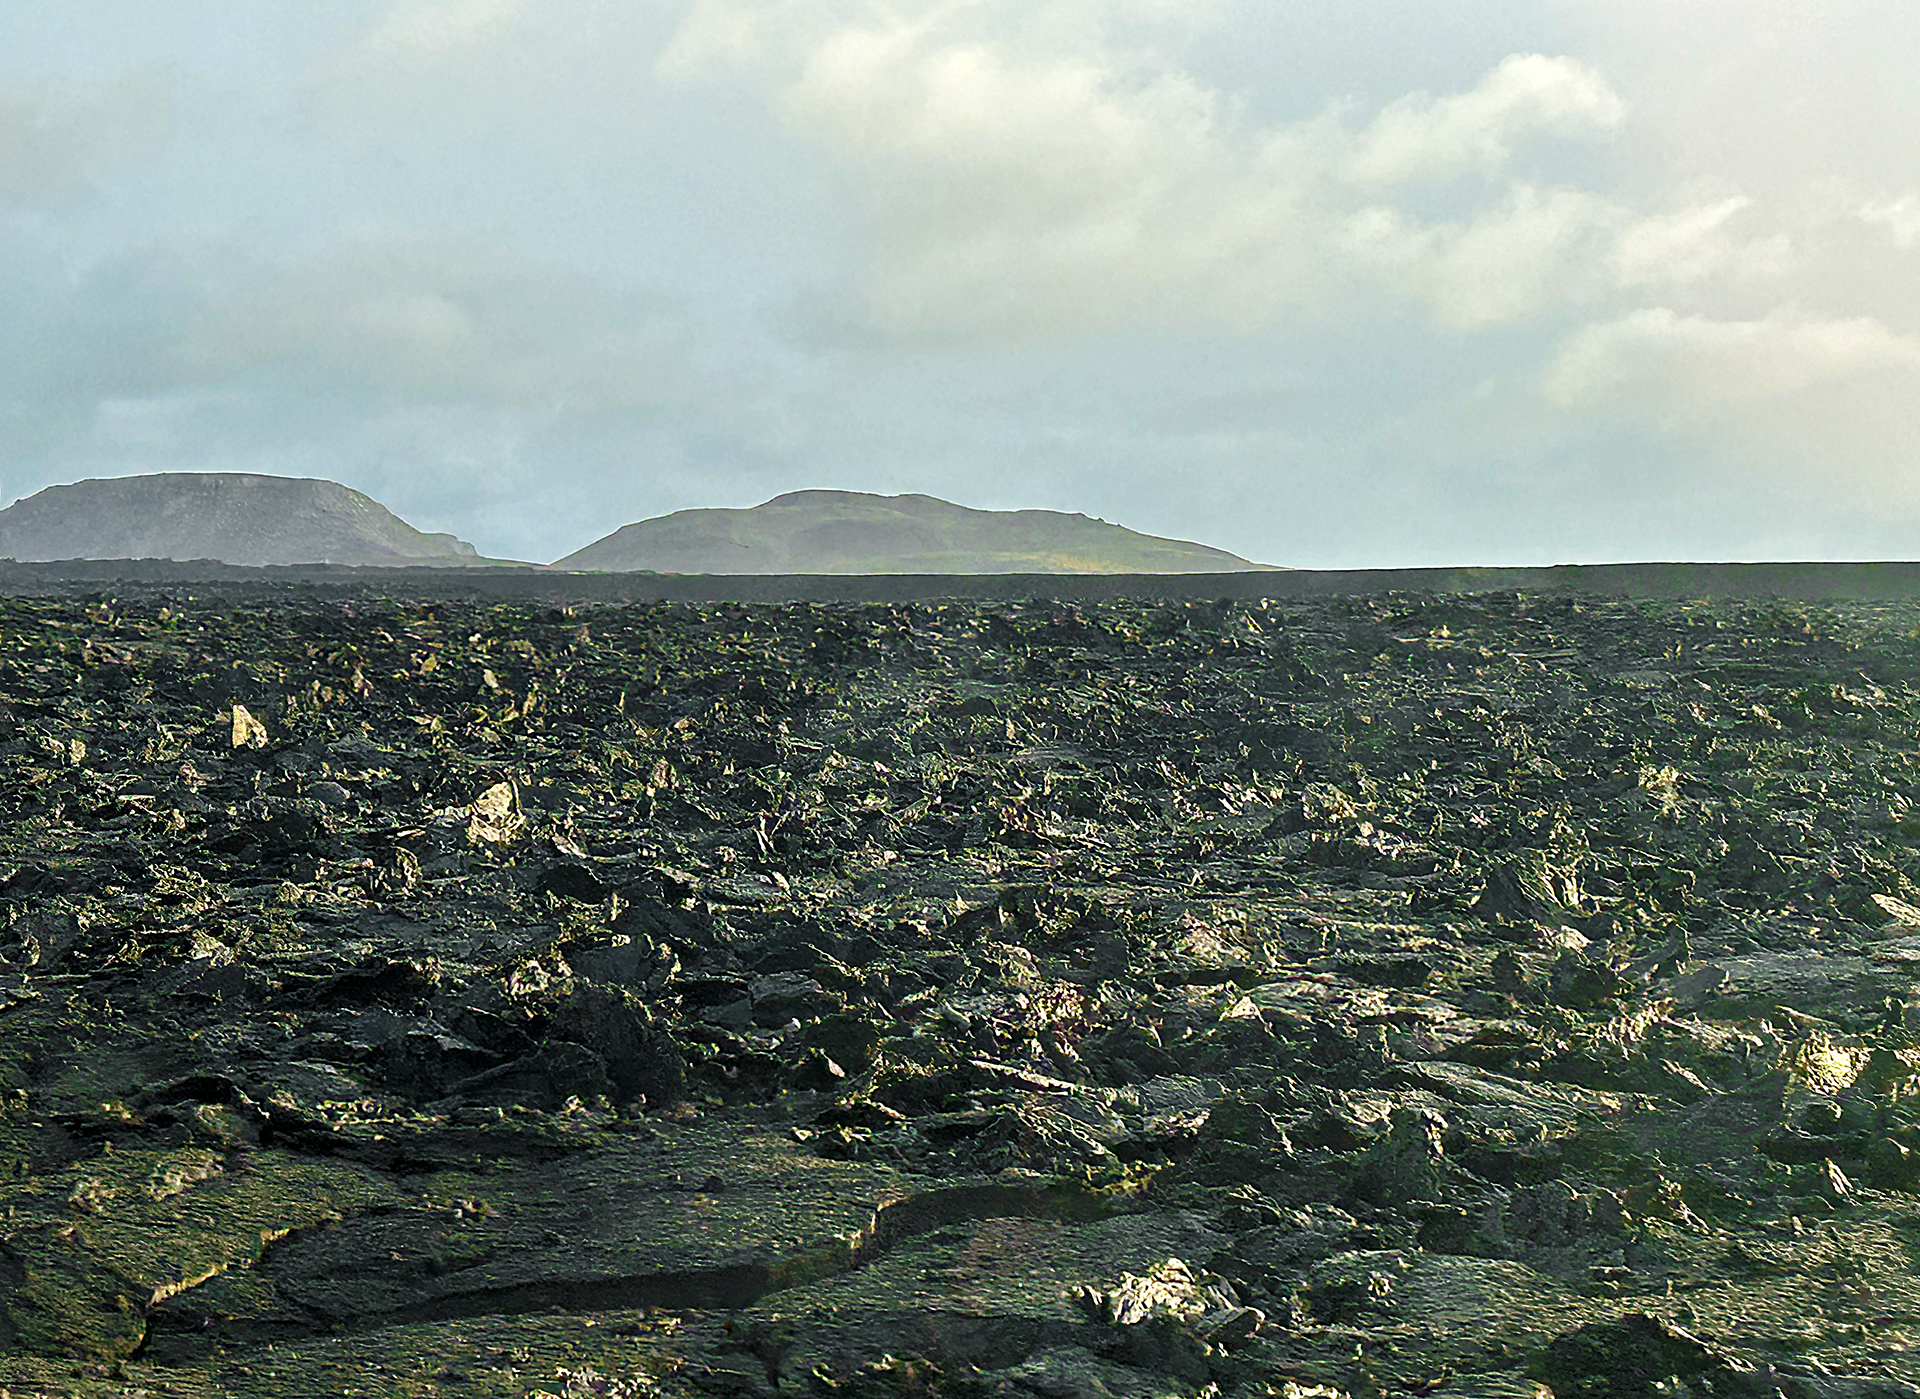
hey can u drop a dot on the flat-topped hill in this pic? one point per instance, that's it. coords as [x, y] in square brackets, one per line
[234, 517]
[852, 532]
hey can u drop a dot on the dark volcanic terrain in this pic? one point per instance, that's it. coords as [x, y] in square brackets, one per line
[1489, 995]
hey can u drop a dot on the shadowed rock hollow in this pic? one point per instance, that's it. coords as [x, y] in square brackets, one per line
[235, 517]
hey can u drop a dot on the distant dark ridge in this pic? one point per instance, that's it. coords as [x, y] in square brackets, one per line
[1813, 582]
[857, 534]
[235, 517]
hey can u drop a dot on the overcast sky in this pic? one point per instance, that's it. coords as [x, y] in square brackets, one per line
[1371, 283]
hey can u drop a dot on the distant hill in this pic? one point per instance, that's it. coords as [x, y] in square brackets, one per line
[235, 517]
[853, 532]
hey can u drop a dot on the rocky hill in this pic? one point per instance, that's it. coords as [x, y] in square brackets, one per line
[854, 532]
[235, 517]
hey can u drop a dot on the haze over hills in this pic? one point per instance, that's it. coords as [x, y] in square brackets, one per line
[852, 532]
[234, 517]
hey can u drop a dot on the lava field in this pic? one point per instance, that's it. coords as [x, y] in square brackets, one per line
[1478, 995]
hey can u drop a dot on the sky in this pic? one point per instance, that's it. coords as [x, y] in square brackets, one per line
[1382, 283]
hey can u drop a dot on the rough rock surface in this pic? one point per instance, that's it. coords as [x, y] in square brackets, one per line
[1478, 996]
[234, 517]
[825, 532]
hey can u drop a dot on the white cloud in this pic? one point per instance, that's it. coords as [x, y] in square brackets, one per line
[1833, 403]
[1694, 244]
[1691, 365]
[428, 28]
[444, 320]
[1899, 217]
[724, 35]
[1017, 188]
[1104, 207]
[1420, 137]
[52, 143]
[1020, 195]
[1536, 248]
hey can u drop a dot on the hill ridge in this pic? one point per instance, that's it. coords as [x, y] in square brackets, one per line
[825, 531]
[235, 517]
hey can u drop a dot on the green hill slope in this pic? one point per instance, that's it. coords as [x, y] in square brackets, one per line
[235, 517]
[853, 532]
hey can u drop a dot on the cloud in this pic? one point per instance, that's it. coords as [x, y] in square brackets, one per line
[985, 248]
[454, 379]
[1539, 250]
[1693, 365]
[445, 319]
[1019, 189]
[1900, 218]
[54, 143]
[1694, 244]
[1420, 137]
[431, 28]
[1535, 248]
[1019, 194]
[1832, 403]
